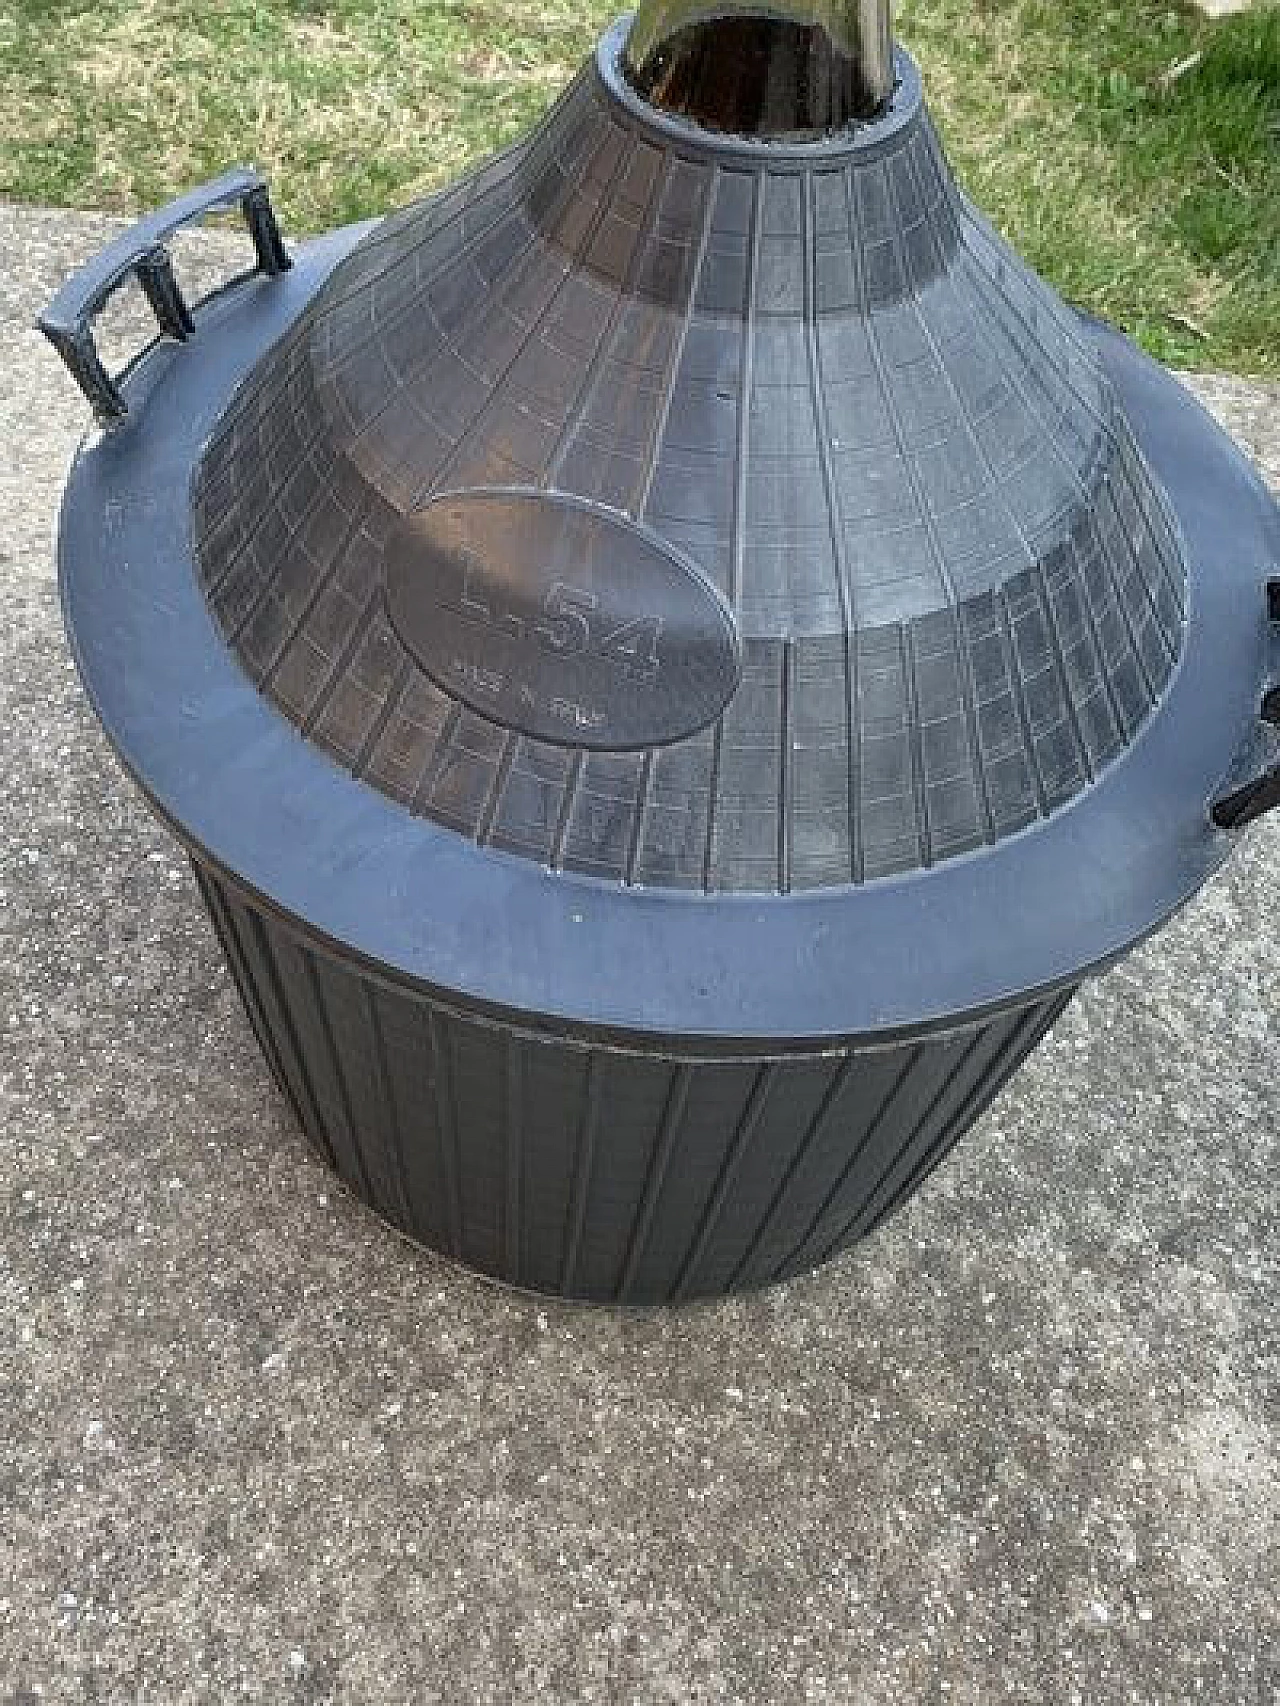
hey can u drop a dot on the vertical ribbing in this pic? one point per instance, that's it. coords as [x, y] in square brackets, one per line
[1000, 598]
[1095, 639]
[466, 209]
[742, 448]
[1117, 592]
[573, 784]
[484, 829]
[1060, 668]
[911, 474]
[995, 492]
[323, 582]
[786, 767]
[514, 1145]
[911, 1059]
[588, 1119]
[446, 1125]
[386, 710]
[667, 1135]
[439, 480]
[713, 789]
[1022, 1037]
[356, 1146]
[663, 411]
[835, 516]
[437, 758]
[330, 1054]
[288, 1033]
[920, 791]
[1167, 645]
[573, 419]
[391, 1127]
[906, 1144]
[1123, 461]
[817, 1125]
[1127, 466]
[970, 256]
[369, 613]
[242, 977]
[215, 579]
[737, 536]
[639, 811]
[765, 1079]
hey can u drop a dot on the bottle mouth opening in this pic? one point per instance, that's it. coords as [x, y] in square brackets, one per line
[806, 69]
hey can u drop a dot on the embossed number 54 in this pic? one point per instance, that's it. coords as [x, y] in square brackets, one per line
[570, 625]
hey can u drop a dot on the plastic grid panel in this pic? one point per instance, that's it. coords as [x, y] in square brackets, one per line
[871, 428]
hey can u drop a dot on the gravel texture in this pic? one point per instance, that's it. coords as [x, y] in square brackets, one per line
[1022, 1446]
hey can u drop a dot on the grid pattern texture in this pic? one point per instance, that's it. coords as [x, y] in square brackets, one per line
[831, 386]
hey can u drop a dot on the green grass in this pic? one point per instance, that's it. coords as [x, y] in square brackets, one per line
[1155, 202]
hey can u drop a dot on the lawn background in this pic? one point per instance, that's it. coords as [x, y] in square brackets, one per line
[1130, 150]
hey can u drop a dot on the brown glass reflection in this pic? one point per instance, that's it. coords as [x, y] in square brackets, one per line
[806, 69]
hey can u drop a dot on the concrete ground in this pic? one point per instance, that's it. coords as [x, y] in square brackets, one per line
[1022, 1446]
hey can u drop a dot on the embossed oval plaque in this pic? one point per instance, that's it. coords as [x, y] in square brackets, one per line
[561, 619]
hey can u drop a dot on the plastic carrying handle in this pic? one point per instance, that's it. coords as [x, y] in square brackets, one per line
[140, 253]
[1262, 794]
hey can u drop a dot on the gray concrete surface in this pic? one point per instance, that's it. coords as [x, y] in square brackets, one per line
[1022, 1446]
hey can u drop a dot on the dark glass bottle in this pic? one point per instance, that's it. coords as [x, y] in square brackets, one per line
[806, 68]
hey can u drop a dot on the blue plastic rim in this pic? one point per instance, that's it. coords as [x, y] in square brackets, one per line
[892, 958]
[239, 784]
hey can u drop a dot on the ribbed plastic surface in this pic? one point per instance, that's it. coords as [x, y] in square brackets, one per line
[576, 1168]
[817, 376]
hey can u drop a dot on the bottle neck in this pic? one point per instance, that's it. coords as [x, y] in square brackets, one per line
[806, 68]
